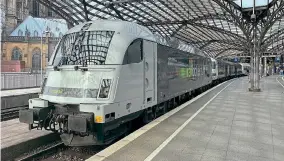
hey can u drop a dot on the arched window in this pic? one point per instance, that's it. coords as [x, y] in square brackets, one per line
[35, 33]
[16, 54]
[36, 59]
[134, 53]
[20, 32]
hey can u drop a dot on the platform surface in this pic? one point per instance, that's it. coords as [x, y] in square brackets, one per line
[281, 80]
[233, 125]
[16, 92]
[13, 132]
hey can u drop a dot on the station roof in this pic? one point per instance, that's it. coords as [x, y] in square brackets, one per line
[250, 3]
[221, 28]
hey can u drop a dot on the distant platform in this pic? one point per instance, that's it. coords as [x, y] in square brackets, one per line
[227, 123]
[16, 92]
[18, 97]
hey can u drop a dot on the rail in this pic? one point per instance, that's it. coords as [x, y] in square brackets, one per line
[11, 113]
[49, 150]
[58, 151]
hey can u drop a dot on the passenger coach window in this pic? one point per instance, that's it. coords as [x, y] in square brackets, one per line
[134, 52]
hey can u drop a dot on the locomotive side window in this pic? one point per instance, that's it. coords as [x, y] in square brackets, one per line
[134, 53]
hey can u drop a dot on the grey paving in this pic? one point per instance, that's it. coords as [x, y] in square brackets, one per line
[236, 126]
[13, 133]
[281, 79]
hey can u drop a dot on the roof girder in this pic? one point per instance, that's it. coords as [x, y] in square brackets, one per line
[210, 22]
[189, 22]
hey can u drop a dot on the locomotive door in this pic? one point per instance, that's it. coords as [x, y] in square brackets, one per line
[149, 52]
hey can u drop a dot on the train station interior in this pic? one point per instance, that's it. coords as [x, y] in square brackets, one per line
[238, 119]
[225, 29]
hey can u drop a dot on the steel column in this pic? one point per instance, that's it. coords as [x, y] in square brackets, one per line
[255, 74]
[251, 69]
[260, 67]
[265, 66]
[255, 55]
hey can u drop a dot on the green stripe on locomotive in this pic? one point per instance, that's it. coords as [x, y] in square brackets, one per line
[185, 72]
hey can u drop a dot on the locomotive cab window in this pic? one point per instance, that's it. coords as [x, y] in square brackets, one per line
[134, 52]
[83, 48]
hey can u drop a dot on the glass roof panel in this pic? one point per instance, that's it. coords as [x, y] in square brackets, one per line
[249, 3]
[204, 23]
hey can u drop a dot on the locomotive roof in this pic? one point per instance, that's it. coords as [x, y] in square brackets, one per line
[137, 31]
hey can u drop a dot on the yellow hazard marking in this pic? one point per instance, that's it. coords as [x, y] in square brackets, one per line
[98, 119]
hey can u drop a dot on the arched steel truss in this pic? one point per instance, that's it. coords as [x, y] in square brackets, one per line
[218, 27]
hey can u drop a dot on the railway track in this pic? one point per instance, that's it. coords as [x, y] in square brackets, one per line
[41, 154]
[59, 151]
[11, 113]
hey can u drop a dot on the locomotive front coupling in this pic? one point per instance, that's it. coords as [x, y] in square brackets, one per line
[57, 118]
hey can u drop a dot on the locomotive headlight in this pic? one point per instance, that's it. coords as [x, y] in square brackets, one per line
[105, 88]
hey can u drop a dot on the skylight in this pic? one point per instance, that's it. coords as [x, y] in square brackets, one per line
[249, 3]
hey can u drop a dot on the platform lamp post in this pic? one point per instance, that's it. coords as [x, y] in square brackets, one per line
[41, 55]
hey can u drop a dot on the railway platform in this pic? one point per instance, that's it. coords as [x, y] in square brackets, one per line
[225, 123]
[17, 97]
[280, 80]
[17, 139]
[17, 92]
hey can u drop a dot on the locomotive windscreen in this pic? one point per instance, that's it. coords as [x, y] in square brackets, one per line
[83, 48]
